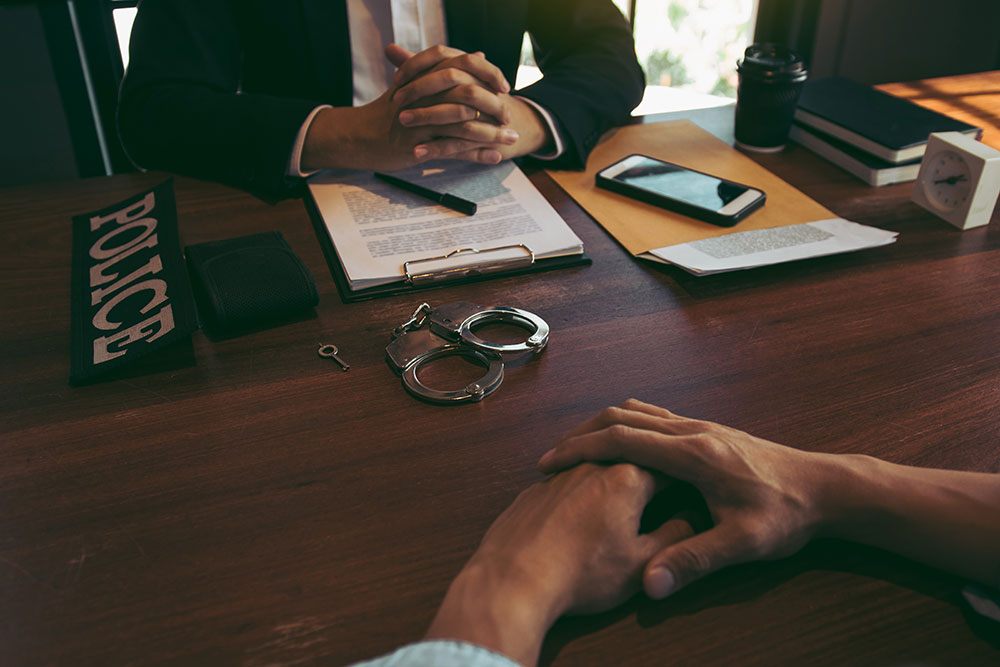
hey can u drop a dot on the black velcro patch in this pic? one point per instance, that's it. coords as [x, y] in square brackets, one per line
[130, 290]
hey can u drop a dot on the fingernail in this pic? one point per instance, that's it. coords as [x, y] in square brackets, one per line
[420, 152]
[659, 583]
[406, 117]
[547, 457]
[492, 157]
[506, 87]
[509, 136]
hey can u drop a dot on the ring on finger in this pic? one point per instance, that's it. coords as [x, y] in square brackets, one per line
[477, 115]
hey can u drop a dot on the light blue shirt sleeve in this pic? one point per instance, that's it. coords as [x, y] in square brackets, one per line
[440, 653]
[983, 600]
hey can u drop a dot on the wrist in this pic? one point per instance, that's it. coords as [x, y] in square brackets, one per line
[534, 132]
[338, 138]
[850, 489]
[499, 607]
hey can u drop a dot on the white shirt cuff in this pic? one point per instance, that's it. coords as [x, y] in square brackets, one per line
[551, 122]
[294, 162]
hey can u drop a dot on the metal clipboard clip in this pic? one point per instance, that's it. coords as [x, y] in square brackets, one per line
[490, 260]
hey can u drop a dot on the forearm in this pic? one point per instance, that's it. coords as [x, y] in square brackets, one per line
[944, 518]
[533, 132]
[592, 79]
[239, 139]
[338, 138]
[179, 106]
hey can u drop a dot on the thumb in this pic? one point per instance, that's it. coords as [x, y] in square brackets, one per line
[671, 532]
[689, 560]
[396, 54]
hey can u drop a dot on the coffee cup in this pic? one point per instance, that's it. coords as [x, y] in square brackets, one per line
[770, 81]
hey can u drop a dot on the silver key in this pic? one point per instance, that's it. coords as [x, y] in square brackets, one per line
[330, 352]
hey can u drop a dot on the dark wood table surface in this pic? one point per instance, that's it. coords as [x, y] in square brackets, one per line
[262, 507]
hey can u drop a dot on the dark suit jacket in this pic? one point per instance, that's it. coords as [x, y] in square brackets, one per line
[218, 89]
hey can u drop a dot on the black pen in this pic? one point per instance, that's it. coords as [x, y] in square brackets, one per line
[451, 201]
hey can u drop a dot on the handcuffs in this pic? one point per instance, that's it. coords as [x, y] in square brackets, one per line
[450, 333]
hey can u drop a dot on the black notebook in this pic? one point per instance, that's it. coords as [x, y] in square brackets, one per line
[888, 127]
[872, 170]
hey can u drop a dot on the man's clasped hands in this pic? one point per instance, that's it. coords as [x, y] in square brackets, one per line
[572, 543]
[443, 103]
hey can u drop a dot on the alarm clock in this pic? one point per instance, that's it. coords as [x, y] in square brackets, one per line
[959, 179]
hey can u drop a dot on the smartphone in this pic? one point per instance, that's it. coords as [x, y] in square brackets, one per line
[671, 186]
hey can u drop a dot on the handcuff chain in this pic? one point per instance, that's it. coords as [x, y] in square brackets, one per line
[416, 320]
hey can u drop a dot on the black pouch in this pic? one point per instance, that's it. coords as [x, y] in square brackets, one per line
[249, 283]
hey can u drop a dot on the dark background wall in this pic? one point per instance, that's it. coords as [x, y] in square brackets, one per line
[900, 40]
[878, 41]
[34, 133]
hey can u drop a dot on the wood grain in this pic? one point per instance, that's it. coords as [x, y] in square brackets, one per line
[972, 98]
[263, 507]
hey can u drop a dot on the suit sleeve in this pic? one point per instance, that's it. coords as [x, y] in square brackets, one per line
[592, 79]
[181, 109]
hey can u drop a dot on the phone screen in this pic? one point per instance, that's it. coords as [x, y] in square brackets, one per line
[679, 183]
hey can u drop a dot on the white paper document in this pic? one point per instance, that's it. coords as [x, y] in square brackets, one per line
[761, 247]
[376, 228]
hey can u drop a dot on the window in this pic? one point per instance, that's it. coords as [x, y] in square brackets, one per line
[123, 18]
[87, 62]
[687, 48]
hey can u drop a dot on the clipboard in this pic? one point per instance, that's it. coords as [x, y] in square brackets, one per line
[416, 277]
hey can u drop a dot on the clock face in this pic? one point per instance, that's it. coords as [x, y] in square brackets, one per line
[947, 180]
[959, 179]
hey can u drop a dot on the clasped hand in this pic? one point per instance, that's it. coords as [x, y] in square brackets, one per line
[444, 103]
[571, 544]
[766, 500]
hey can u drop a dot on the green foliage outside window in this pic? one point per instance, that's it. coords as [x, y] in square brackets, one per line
[664, 68]
[691, 44]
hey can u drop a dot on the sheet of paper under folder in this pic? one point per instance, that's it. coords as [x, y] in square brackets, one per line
[381, 232]
[760, 247]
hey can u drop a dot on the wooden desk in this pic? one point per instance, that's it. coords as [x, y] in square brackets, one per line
[973, 98]
[263, 507]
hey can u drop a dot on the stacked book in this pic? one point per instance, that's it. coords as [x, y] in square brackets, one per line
[877, 137]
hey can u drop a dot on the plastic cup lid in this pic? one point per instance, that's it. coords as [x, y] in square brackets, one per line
[772, 62]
